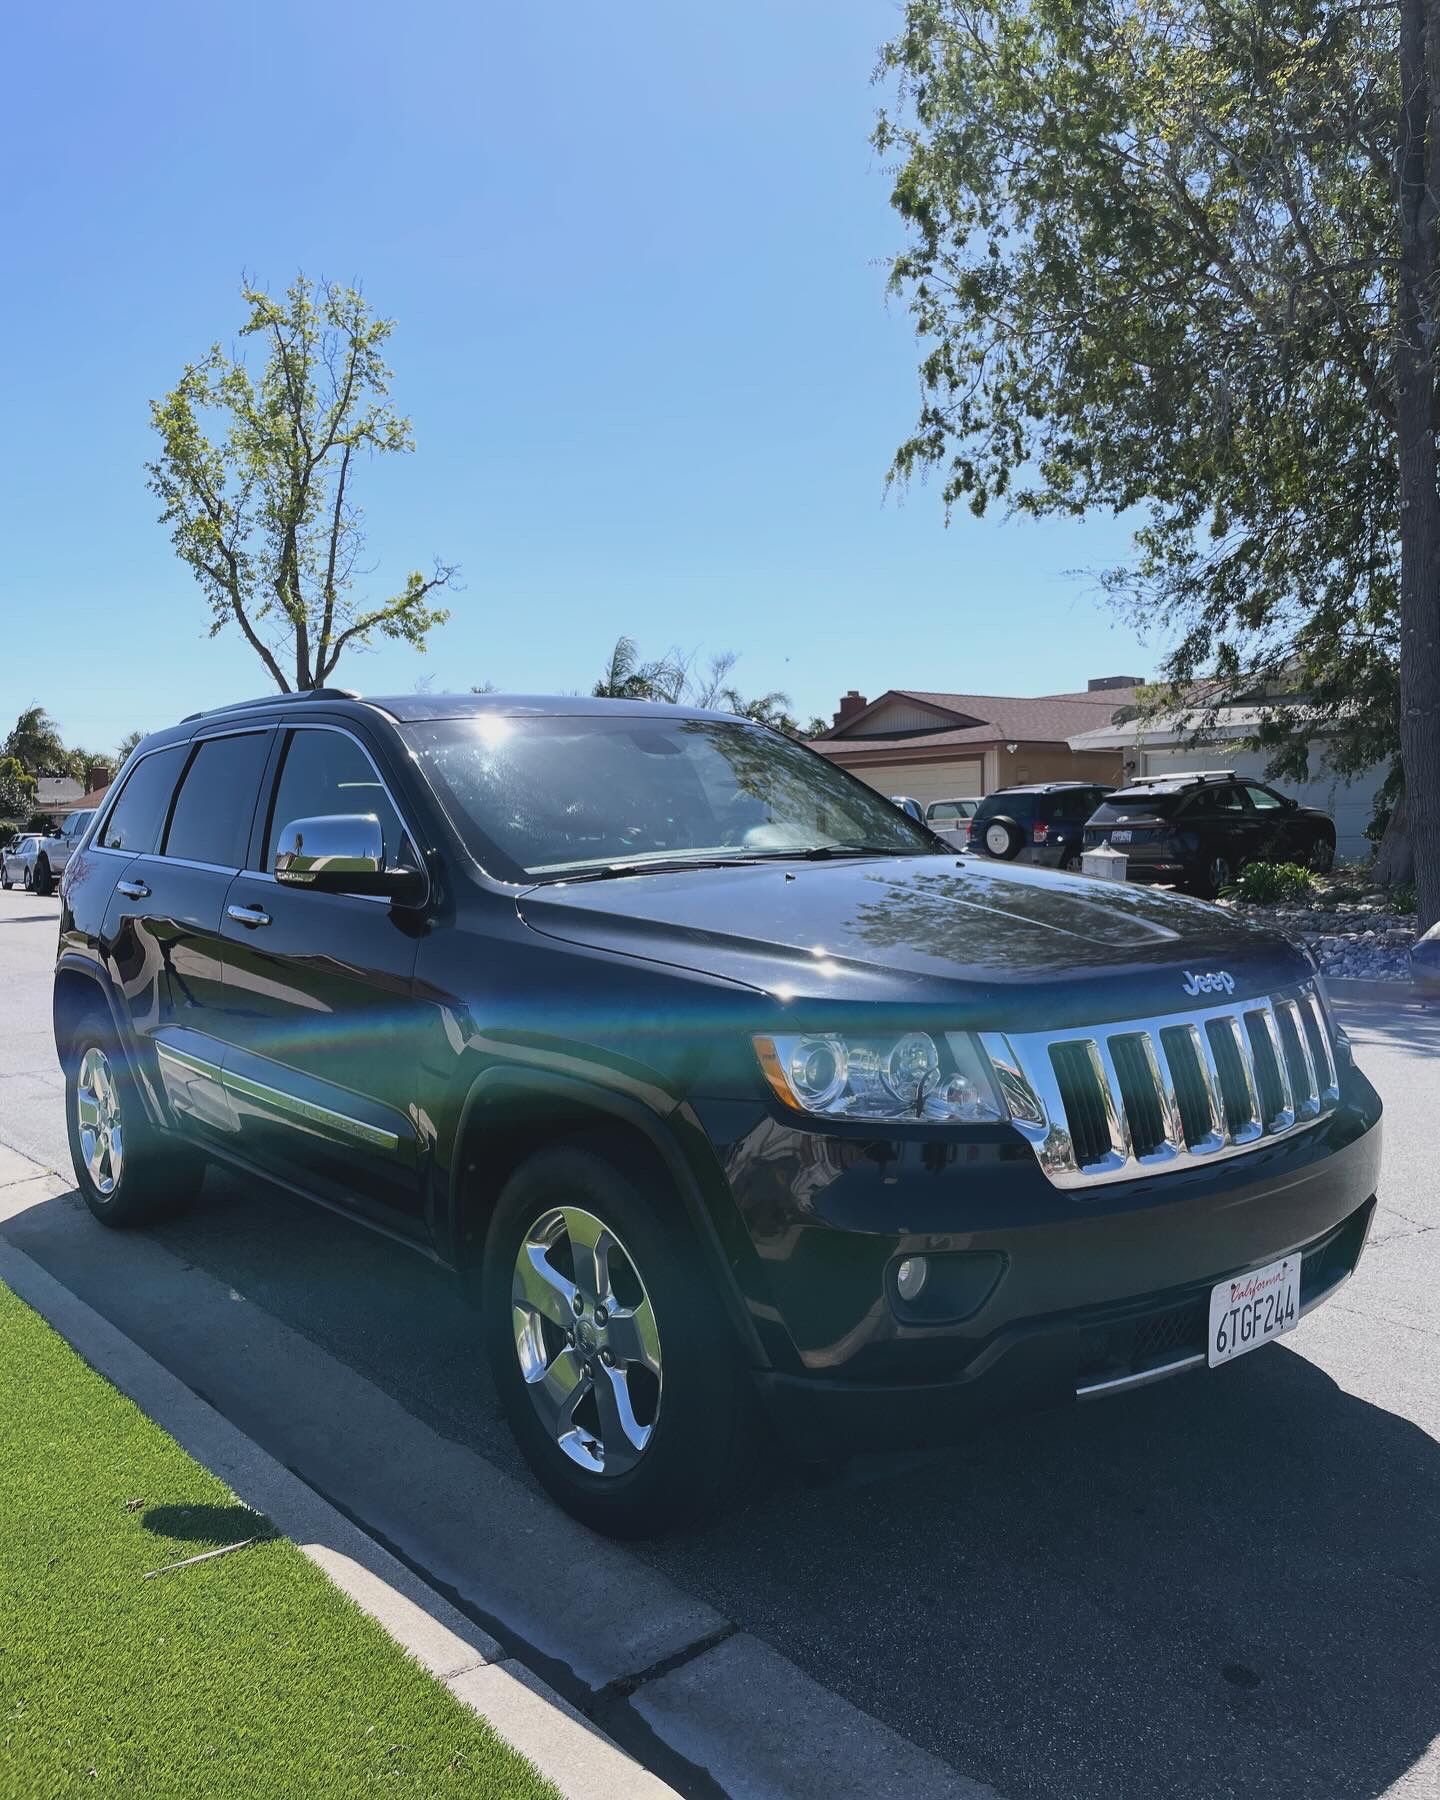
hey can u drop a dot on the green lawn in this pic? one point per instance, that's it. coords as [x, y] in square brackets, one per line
[247, 1675]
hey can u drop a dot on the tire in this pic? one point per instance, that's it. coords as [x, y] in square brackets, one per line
[1213, 877]
[127, 1171]
[43, 880]
[674, 1442]
[6, 883]
[1069, 860]
[29, 882]
[1322, 856]
[1003, 839]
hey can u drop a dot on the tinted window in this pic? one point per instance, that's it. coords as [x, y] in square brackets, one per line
[1013, 806]
[1073, 804]
[1116, 808]
[326, 773]
[571, 791]
[135, 819]
[1263, 800]
[1222, 800]
[211, 821]
[76, 823]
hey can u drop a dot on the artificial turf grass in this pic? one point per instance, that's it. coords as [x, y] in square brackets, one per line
[246, 1675]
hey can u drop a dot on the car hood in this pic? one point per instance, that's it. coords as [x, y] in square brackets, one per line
[971, 935]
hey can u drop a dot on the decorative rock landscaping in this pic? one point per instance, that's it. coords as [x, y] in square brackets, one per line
[1357, 937]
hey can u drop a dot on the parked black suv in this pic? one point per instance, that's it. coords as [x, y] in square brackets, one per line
[1042, 824]
[1200, 829]
[717, 1078]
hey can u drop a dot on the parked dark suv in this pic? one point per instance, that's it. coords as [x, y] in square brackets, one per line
[717, 1079]
[1042, 824]
[1200, 829]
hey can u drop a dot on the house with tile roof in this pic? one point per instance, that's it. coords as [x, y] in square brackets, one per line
[935, 746]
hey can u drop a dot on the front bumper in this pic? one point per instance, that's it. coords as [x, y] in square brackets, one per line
[1030, 1272]
[1085, 1354]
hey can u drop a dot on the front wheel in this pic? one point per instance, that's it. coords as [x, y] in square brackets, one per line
[615, 1364]
[44, 880]
[1322, 856]
[127, 1172]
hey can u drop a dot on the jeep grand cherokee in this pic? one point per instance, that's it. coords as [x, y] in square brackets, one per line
[728, 1089]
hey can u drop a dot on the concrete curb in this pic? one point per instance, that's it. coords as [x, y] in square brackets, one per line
[562, 1744]
[714, 1712]
[1389, 993]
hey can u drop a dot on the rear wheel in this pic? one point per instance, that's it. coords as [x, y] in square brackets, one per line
[128, 1171]
[1215, 876]
[1322, 855]
[617, 1369]
[43, 880]
[28, 882]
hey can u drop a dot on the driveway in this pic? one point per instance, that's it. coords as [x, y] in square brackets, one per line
[1227, 1584]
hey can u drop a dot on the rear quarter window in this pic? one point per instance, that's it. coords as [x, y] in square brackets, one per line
[139, 812]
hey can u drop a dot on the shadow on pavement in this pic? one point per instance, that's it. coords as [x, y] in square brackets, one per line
[1224, 1585]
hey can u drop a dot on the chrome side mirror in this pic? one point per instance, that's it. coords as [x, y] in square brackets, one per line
[318, 852]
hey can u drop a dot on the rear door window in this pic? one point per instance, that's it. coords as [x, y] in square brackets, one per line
[216, 802]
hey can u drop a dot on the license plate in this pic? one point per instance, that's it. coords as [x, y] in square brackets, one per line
[1248, 1310]
[1119, 837]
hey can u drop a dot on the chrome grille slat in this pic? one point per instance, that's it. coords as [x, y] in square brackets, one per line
[1307, 1104]
[1306, 1077]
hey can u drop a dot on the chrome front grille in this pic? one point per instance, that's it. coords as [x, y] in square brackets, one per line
[1142, 1096]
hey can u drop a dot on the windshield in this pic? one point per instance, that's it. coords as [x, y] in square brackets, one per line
[558, 794]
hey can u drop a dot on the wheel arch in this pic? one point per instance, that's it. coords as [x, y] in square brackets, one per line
[79, 987]
[509, 1113]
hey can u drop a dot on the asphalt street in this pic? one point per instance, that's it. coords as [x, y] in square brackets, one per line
[1228, 1584]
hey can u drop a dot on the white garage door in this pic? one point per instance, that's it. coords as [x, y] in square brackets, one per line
[1349, 804]
[928, 781]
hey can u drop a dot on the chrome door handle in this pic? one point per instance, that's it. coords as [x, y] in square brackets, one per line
[248, 915]
[133, 890]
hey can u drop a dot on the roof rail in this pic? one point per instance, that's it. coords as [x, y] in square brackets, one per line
[320, 693]
[1195, 775]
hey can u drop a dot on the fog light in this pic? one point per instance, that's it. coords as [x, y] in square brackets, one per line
[910, 1277]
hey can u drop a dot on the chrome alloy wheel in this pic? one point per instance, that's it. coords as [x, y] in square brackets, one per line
[97, 1114]
[586, 1338]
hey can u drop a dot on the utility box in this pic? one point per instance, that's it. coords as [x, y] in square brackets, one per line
[1105, 863]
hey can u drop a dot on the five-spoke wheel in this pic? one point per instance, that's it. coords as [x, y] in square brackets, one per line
[98, 1122]
[586, 1339]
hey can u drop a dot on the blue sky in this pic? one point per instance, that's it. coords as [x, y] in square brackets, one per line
[635, 253]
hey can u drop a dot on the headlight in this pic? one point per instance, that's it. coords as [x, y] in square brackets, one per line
[906, 1077]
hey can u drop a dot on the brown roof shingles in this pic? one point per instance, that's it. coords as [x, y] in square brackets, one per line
[1048, 718]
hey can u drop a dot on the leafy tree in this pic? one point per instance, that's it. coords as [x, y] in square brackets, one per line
[672, 678]
[35, 743]
[264, 513]
[628, 676]
[126, 745]
[1183, 256]
[17, 789]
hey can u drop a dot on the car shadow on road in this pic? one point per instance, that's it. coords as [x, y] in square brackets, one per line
[1228, 1584]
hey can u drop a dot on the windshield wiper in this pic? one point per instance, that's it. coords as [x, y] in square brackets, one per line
[660, 865]
[823, 852]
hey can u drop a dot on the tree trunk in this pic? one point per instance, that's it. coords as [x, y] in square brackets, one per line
[1395, 860]
[1419, 169]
